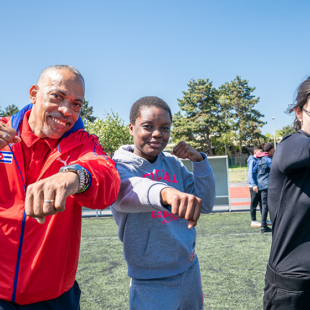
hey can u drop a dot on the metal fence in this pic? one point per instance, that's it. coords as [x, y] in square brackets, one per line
[222, 198]
[238, 175]
[234, 161]
[96, 212]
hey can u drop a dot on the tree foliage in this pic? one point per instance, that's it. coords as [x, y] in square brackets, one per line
[9, 110]
[280, 133]
[218, 120]
[268, 137]
[111, 131]
[86, 113]
[246, 119]
[200, 121]
[286, 130]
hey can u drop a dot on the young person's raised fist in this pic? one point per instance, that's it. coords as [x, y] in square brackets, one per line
[183, 205]
[185, 151]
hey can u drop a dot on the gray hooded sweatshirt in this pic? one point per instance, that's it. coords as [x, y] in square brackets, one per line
[157, 243]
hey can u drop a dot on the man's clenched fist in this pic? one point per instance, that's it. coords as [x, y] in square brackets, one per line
[48, 196]
[7, 136]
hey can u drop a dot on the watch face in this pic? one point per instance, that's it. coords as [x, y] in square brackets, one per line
[73, 168]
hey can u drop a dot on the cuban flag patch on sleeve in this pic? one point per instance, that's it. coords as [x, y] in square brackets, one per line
[6, 157]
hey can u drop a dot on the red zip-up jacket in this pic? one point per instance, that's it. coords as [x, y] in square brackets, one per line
[39, 262]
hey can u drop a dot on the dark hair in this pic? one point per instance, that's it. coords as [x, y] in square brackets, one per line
[257, 148]
[148, 101]
[303, 93]
[268, 146]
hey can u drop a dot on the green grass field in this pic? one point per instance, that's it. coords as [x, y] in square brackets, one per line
[237, 174]
[232, 257]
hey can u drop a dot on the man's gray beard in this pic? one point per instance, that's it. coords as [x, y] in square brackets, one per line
[52, 134]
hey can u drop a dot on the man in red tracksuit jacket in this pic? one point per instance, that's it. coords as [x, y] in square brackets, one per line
[49, 168]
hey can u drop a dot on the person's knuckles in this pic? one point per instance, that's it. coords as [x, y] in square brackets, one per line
[191, 199]
[175, 198]
[183, 197]
[60, 207]
[29, 210]
[3, 144]
[48, 209]
[38, 212]
[37, 187]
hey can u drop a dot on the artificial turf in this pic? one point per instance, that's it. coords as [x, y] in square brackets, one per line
[232, 257]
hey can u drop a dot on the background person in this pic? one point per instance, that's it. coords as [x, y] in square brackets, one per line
[158, 205]
[288, 271]
[263, 170]
[40, 209]
[253, 187]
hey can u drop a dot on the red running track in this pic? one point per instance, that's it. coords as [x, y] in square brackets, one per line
[240, 192]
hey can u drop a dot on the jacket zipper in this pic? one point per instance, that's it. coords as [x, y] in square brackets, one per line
[20, 246]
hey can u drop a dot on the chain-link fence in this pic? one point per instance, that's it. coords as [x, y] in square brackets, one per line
[238, 175]
[234, 161]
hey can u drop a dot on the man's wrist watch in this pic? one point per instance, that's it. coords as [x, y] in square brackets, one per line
[82, 174]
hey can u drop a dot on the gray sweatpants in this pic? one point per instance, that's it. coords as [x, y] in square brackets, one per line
[180, 292]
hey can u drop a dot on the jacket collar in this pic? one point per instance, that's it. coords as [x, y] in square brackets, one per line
[303, 133]
[19, 116]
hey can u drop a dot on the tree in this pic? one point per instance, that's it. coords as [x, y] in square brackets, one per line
[286, 130]
[202, 118]
[247, 120]
[111, 131]
[9, 110]
[86, 112]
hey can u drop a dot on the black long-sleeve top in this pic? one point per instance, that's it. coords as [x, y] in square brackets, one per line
[289, 206]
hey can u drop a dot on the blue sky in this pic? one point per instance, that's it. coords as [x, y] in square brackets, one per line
[129, 49]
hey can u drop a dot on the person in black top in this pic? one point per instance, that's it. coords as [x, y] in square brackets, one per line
[287, 282]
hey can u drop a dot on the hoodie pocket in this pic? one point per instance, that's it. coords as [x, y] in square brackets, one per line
[169, 243]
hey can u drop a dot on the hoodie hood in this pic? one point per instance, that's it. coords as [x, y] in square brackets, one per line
[125, 155]
[262, 154]
[19, 116]
[251, 157]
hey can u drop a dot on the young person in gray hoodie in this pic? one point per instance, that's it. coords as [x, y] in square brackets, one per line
[157, 208]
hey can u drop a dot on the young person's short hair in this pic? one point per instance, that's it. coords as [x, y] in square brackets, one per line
[257, 149]
[147, 101]
[268, 146]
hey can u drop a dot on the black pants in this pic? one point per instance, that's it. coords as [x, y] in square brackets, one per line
[264, 193]
[286, 293]
[69, 300]
[255, 200]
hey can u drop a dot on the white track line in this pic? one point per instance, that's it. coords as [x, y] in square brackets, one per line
[198, 235]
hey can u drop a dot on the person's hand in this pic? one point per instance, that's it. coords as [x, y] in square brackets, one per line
[255, 189]
[48, 196]
[185, 151]
[7, 135]
[183, 205]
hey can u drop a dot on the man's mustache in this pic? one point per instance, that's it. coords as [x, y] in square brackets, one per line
[60, 115]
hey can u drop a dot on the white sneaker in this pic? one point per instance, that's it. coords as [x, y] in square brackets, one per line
[268, 222]
[255, 224]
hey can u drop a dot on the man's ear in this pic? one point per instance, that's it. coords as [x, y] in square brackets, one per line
[130, 126]
[33, 93]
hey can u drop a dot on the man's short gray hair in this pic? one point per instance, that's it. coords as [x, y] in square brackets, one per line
[58, 67]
